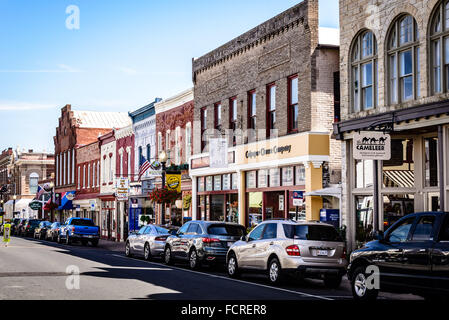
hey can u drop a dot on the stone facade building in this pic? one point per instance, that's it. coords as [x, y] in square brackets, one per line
[174, 122]
[26, 169]
[5, 177]
[76, 129]
[394, 79]
[273, 88]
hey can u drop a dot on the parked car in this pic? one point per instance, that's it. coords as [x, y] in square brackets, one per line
[280, 247]
[412, 257]
[41, 230]
[201, 242]
[79, 230]
[19, 230]
[148, 242]
[53, 231]
[29, 227]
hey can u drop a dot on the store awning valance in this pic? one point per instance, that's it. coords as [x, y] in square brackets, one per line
[329, 192]
[399, 178]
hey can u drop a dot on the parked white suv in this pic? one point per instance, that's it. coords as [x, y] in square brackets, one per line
[303, 249]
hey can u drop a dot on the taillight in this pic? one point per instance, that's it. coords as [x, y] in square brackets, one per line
[73, 229]
[293, 251]
[343, 254]
[210, 240]
[160, 239]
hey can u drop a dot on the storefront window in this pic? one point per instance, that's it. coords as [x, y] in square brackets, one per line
[217, 183]
[201, 184]
[275, 177]
[217, 208]
[209, 184]
[364, 219]
[255, 208]
[287, 176]
[251, 180]
[399, 172]
[226, 182]
[397, 206]
[263, 178]
[232, 207]
[234, 181]
[300, 176]
[431, 164]
[363, 173]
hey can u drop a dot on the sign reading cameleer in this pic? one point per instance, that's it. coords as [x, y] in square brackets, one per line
[122, 189]
[371, 145]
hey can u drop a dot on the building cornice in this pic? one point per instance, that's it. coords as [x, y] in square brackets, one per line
[175, 101]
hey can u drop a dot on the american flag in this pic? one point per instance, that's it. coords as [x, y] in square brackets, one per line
[40, 192]
[144, 166]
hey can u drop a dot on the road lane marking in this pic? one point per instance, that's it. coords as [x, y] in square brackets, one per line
[230, 279]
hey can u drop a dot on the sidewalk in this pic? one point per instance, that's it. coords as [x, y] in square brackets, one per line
[112, 246]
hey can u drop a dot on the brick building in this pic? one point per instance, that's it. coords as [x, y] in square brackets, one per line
[174, 120]
[5, 179]
[76, 129]
[26, 169]
[87, 170]
[274, 88]
[394, 79]
[124, 169]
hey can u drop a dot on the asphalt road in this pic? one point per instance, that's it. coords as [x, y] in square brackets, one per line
[34, 269]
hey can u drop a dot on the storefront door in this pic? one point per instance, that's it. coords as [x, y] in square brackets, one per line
[274, 205]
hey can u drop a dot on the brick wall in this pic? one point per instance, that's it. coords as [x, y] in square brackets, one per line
[269, 53]
[378, 16]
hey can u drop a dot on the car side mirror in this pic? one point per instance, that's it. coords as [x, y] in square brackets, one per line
[174, 232]
[244, 238]
[379, 235]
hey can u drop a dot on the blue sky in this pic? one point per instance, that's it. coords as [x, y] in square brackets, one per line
[124, 55]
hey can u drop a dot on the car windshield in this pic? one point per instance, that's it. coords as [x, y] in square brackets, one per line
[162, 230]
[83, 222]
[47, 223]
[311, 232]
[34, 222]
[226, 230]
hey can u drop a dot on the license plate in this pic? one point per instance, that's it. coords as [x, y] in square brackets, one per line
[322, 253]
[87, 236]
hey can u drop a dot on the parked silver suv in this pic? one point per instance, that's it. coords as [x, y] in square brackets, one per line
[278, 247]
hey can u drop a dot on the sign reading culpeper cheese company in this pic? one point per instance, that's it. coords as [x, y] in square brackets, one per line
[369, 145]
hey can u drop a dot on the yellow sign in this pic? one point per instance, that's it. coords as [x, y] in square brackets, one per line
[6, 233]
[173, 182]
[302, 144]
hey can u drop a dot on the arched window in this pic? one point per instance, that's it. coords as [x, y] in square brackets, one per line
[403, 60]
[34, 178]
[439, 47]
[364, 72]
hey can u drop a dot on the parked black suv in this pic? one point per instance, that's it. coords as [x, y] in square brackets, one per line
[412, 257]
[202, 242]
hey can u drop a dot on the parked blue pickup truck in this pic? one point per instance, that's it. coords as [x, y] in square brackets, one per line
[79, 230]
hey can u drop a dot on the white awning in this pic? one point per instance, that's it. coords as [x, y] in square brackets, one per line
[329, 192]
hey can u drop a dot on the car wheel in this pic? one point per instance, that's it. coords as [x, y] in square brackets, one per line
[233, 268]
[168, 259]
[147, 252]
[84, 242]
[274, 271]
[332, 282]
[359, 286]
[94, 243]
[128, 249]
[58, 240]
[67, 240]
[194, 262]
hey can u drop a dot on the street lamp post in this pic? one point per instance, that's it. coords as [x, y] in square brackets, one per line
[14, 198]
[163, 160]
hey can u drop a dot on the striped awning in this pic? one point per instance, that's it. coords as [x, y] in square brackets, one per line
[399, 178]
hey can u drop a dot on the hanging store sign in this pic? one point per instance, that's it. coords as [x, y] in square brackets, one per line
[35, 205]
[122, 189]
[371, 145]
[173, 182]
[218, 153]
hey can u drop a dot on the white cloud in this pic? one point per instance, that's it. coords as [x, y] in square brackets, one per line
[61, 68]
[24, 106]
[128, 71]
